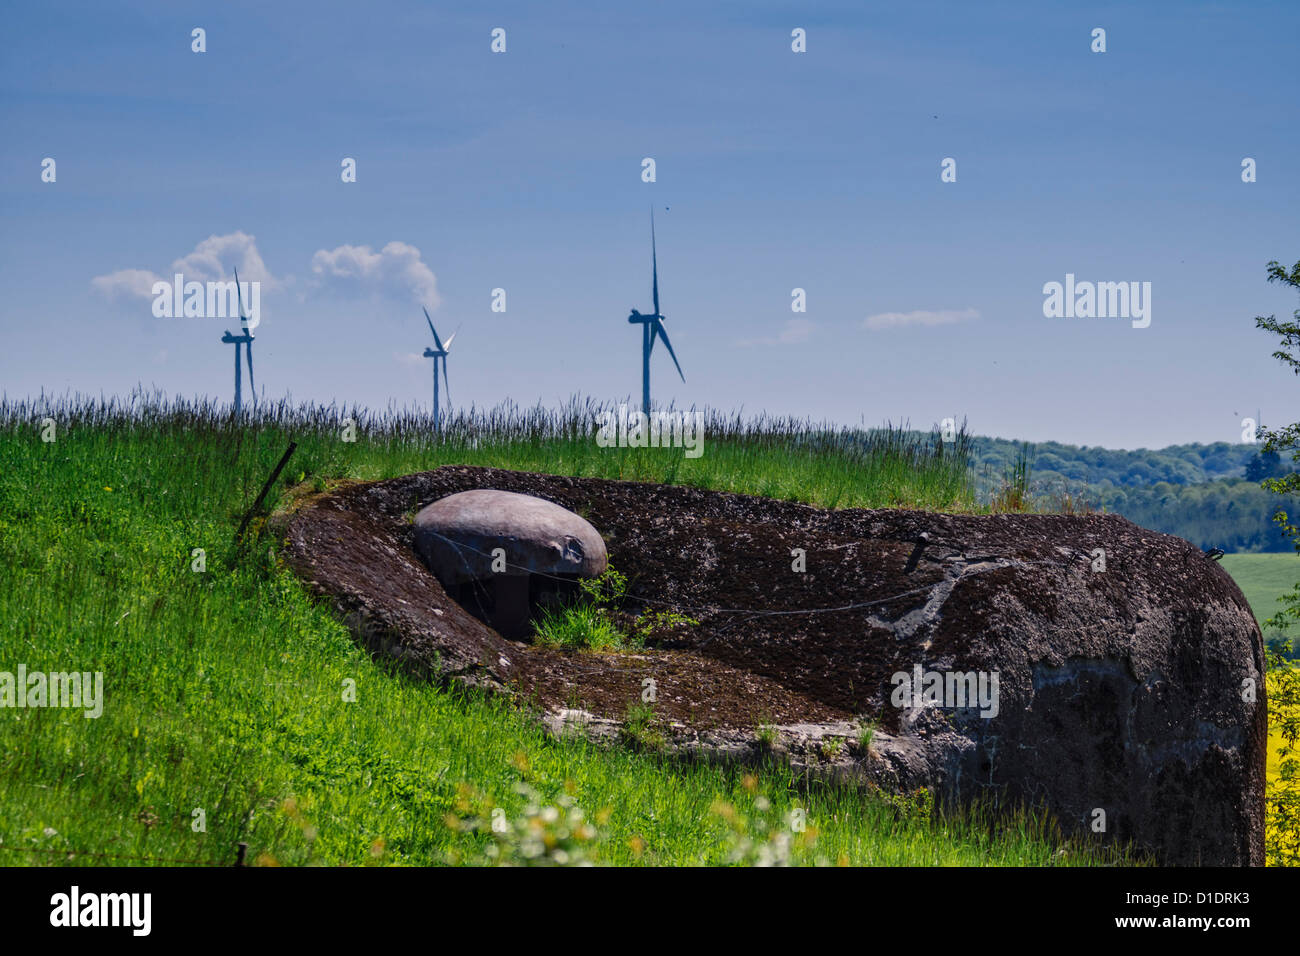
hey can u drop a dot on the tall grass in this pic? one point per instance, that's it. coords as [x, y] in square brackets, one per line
[793, 459]
[227, 689]
[1014, 493]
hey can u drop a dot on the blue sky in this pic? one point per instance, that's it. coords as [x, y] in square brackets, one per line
[775, 170]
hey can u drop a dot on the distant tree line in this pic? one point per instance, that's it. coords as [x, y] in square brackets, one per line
[1235, 515]
[1209, 494]
[1084, 465]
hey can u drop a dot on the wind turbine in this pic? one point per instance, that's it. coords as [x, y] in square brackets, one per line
[440, 352]
[652, 326]
[246, 338]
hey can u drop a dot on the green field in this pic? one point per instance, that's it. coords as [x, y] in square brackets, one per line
[224, 688]
[1263, 578]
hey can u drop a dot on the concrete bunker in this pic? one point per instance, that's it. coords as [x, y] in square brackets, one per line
[1119, 690]
[503, 555]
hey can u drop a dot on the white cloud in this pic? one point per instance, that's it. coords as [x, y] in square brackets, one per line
[125, 284]
[794, 331]
[216, 257]
[889, 320]
[397, 270]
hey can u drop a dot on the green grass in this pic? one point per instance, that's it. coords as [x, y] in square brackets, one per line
[1263, 579]
[588, 622]
[581, 626]
[228, 690]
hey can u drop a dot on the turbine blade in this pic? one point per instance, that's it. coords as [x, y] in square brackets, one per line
[664, 333]
[447, 344]
[654, 259]
[239, 292]
[437, 341]
[446, 385]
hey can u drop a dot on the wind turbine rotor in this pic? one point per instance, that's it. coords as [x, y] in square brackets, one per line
[243, 320]
[437, 341]
[658, 326]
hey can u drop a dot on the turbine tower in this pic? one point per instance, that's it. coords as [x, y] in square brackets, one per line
[246, 339]
[652, 326]
[439, 352]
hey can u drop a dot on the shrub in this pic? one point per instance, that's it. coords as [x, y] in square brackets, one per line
[593, 621]
[638, 729]
[1282, 832]
[578, 626]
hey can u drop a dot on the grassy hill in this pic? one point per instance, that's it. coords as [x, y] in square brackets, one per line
[225, 714]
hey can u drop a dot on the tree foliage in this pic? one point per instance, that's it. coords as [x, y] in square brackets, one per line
[1235, 515]
[1282, 838]
[1286, 438]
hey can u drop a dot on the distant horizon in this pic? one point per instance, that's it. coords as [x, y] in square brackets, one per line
[902, 214]
[419, 409]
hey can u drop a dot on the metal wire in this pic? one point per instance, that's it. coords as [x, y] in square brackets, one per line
[754, 612]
